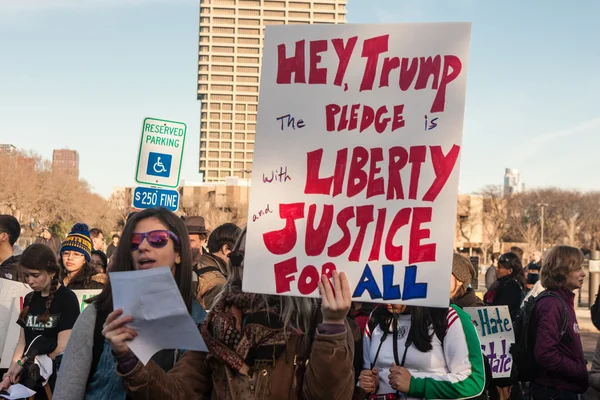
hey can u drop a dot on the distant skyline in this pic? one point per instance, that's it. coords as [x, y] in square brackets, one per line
[83, 74]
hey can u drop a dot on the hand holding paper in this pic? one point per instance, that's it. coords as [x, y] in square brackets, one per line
[18, 391]
[158, 314]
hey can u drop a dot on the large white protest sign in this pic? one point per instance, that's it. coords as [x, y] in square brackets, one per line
[496, 335]
[356, 160]
[8, 291]
[12, 335]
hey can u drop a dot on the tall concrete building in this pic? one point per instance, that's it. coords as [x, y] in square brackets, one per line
[512, 182]
[7, 148]
[230, 52]
[66, 161]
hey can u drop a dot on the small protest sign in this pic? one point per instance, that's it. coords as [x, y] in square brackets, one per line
[356, 160]
[83, 295]
[496, 335]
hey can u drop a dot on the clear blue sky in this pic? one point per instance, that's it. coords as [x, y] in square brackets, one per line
[83, 74]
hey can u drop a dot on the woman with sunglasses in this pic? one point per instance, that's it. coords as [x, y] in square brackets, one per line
[260, 347]
[509, 288]
[152, 238]
[75, 258]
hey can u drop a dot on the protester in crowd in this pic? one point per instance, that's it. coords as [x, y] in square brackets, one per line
[112, 247]
[75, 256]
[518, 252]
[561, 371]
[198, 236]
[284, 353]
[220, 243]
[490, 274]
[212, 272]
[46, 237]
[151, 238]
[99, 262]
[535, 291]
[421, 352]
[207, 280]
[97, 237]
[360, 314]
[510, 285]
[532, 271]
[463, 273]
[10, 230]
[46, 320]
[594, 379]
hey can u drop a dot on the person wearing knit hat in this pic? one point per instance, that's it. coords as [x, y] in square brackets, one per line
[75, 255]
[78, 240]
[463, 273]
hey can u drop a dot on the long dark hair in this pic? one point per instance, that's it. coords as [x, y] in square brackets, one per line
[422, 319]
[40, 257]
[122, 257]
[512, 261]
[83, 275]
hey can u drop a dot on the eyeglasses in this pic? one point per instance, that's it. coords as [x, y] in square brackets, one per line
[97, 263]
[72, 254]
[156, 239]
[236, 258]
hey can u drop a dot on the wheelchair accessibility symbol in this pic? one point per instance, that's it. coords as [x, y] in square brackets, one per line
[159, 164]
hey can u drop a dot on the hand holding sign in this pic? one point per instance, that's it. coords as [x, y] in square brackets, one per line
[336, 301]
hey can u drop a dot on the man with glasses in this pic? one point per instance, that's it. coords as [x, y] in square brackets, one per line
[10, 230]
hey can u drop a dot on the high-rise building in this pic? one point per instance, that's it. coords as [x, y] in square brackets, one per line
[66, 161]
[512, 182]
[7, 148]
[230, 52]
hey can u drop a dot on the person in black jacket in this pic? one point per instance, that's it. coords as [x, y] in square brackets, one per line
[10, 230]
[510, 287]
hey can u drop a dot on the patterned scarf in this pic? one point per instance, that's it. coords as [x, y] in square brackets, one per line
[241, 329]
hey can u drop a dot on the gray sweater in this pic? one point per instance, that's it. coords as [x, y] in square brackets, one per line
[75, 368]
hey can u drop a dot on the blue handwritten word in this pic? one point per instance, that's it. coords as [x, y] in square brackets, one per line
[281, 176]
[412, 289]
[491, 325]
[291, 121]
[432, 124]
[262, 213]
[499, 362]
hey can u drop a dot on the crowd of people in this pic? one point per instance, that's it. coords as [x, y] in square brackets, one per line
[278, 347]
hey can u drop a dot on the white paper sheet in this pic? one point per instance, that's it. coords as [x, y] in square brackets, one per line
[18, 391]
[159, 314]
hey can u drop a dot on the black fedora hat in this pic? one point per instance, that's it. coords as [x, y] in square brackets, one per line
[196, 225]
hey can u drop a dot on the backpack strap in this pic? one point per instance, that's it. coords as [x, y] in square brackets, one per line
[204, 270]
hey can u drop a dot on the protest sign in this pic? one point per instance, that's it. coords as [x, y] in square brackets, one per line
[496, 335]
[8, 291]
[83, 295]
[12, 334]
[356, 160]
